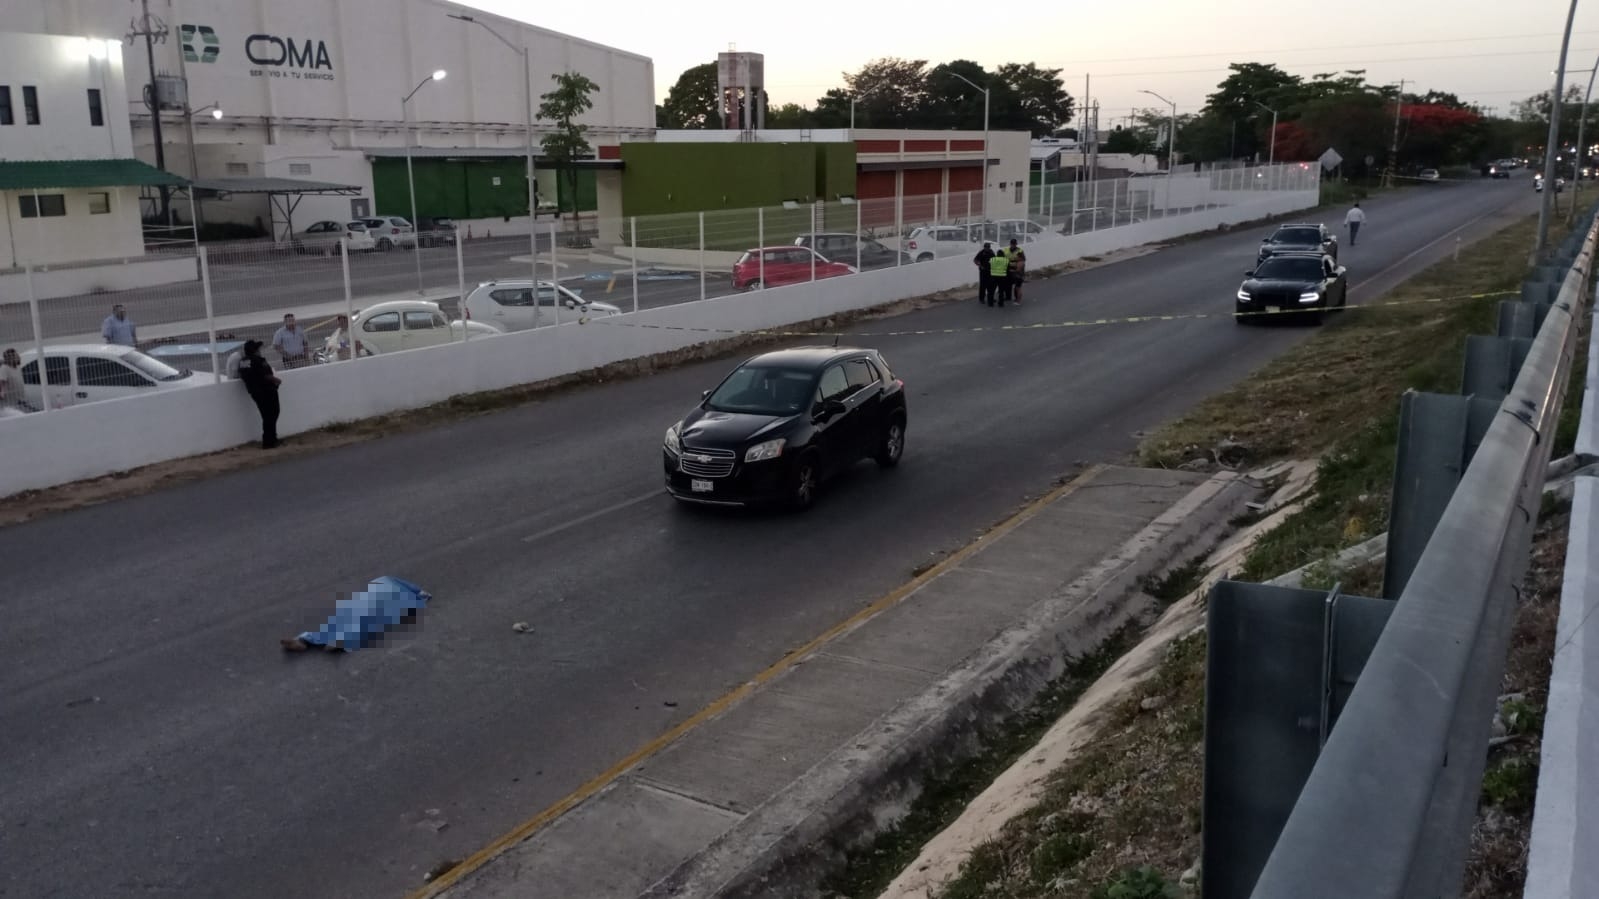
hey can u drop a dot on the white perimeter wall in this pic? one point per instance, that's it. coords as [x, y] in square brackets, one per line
[67, 445]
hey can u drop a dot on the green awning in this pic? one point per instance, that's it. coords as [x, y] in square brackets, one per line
[73, 173]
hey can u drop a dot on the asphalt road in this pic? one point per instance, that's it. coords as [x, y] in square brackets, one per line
[158, 742]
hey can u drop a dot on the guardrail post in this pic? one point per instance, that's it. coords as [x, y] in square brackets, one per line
[1280, 666]
[210, 312]
[1521, 319]
[1491, 365]
[38, 339]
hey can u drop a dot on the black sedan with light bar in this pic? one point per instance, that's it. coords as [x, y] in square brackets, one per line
[1293, 283]
[784, 422]
[1299, 239]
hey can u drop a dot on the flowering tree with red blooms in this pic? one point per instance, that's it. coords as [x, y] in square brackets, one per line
[1295, 142]
[1433, 134]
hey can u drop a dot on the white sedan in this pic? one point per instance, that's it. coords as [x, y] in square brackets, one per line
[409, 325]
[89, 373]
[509, 305]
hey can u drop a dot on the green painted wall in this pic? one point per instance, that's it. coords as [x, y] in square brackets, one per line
[465, 189]
[661, 179]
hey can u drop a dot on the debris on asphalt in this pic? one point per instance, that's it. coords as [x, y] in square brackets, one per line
[671, 703]
[522, 627]
[361, 619]
[440, 869]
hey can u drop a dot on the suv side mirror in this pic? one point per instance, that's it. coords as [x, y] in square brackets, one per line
[705, 395]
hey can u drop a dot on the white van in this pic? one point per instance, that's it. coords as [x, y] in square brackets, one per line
[90, 373]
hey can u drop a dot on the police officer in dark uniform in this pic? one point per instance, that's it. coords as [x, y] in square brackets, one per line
[256, 373]
[985, 281]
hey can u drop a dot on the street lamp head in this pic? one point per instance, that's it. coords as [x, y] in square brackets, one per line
[438, 75]
[217, 114]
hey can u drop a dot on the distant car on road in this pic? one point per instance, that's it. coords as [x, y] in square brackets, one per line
[89, 373]
[408, 325]
[1288, 282]
[1498, 169]
[1299, 238]
[433, 232]
[784, 422]
[509, 305]
[324, 237]
[1429, 175]
[844, 247]
[777, 266]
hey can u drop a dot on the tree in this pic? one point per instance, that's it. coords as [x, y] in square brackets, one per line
[1128, 140]
[789, 115]
[693, 102]
[567, 144]
[1040, 96]
[1236, 97]
[948, 103]
[832, 111]
[890, 91]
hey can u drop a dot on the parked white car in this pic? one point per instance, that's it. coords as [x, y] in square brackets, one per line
[508, 305]
[409, 325]
[390, 231]
[90, 373]
[938, 241]
[324, 237]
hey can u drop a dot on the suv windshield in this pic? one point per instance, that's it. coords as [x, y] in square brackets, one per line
[1305, 236]
[1291, 269]
[155, 368]
[764, 390]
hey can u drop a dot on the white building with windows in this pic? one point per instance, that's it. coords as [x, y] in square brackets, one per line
[311, 90]
[69, 181]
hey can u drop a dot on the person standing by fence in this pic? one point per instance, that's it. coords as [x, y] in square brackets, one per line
[262, 385]
[1018, 270]
[999, 274]
[117, 329]
[291, 343]
[985, 281]
[11, 383]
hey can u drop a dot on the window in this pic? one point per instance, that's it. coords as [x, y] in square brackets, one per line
[58, 369]
[96, 112]
[1019, 191]
[299, 168]
[763, 390]
[388, 321]
[42, 205]
[420, 321]
[238, 168]
[30, 104]
[6, 116]
[99, 203]
[835, 384]
[94, 372]
[518, 297]
[861, 374]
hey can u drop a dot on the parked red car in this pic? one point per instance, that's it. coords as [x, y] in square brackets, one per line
[777, 266]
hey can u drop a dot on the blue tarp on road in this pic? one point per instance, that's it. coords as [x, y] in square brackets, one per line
[360, 619]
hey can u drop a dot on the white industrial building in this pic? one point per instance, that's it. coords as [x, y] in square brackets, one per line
[310, 91]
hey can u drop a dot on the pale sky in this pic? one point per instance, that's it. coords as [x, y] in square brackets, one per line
[1493, 52]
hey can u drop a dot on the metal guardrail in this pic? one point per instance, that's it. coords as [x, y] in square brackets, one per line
[1355, 771]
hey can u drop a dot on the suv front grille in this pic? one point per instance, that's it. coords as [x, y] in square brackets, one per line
[706, 463]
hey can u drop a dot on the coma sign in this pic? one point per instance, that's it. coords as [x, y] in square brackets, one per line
[287, 57]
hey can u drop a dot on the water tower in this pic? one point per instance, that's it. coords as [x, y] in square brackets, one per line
[741, 85]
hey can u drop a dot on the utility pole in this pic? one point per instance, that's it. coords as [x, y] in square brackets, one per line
[1556, 100]
[1393, 148]
[153, 30]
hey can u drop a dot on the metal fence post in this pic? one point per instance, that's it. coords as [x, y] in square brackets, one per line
[210, 311]
[38, 339]
[858, 234]
[1051, 219]
[1076, 189]
[899, 224]
[460, 278]
[813, 243]
[555, 276]
[1115, 200]
[760, 245]
[633, 240]
[349, 298]
[702, 254]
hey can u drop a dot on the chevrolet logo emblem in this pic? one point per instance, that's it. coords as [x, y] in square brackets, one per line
[696, 457]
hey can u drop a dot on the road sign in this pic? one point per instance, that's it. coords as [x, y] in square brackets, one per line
[1330, 159]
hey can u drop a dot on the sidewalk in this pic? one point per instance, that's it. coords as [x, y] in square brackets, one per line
[753, 794]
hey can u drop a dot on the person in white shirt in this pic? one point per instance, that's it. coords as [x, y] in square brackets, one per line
[291, 343]
[1353, 221]
[338, 343]
[11, 385]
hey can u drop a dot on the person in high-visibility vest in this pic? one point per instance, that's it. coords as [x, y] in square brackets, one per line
[999, 273]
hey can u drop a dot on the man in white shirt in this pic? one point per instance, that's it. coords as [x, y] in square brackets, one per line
[291, 343]
[11, 386]
[1353, 221]
[117, 329]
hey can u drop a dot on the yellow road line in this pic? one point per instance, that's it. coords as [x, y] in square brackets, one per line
[610, 775]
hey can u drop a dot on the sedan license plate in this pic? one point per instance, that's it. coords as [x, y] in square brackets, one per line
[699, 486]
[1274, 308]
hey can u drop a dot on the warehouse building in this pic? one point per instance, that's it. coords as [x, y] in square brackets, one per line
[310, 91]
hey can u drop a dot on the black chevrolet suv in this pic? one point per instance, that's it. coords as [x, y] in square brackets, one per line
[784, 422]
[1299, 239]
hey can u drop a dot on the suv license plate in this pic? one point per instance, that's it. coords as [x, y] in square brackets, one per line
[701, 486]
[1271, 309]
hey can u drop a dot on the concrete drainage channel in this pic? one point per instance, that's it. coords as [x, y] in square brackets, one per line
[765, 793]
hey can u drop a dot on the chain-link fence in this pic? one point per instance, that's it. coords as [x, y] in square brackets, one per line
[337, 295]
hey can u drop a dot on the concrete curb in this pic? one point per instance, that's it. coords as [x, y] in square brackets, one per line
[785, 846]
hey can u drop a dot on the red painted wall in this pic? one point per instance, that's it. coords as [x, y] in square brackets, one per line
[924, 146]
[877, 146]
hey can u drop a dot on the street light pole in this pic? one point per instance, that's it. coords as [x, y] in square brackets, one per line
[194, 165]
[532, 188]
[1272, 154]
[410, 179]
[985, 137]
[1582, 148]
[1556, 100]
[1171, 147]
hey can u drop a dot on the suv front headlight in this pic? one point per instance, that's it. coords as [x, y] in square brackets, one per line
[1309, 296]
[761, 452]
[673, 444]
[1243, 294]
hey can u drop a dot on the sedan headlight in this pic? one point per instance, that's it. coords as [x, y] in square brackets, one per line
[1243, 294]
[673, 444]
[761, 452]
[1309, 296]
